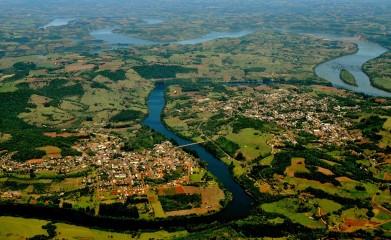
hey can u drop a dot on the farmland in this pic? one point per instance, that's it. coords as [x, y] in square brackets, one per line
[315, 159]
[285, 157]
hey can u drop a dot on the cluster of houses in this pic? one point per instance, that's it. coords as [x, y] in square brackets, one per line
[297, 112]
[118, 172]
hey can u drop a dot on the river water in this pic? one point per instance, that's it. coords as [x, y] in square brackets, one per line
[241, 203]
[353, 63]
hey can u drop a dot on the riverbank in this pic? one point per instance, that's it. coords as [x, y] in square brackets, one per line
[377, 70]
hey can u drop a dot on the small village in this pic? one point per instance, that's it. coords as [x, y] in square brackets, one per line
[293, 111]
[121, 173]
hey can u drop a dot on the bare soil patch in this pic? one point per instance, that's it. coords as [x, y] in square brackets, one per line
[190, 190]
[344, 179]
[79, 67]
[211, 196]
[325, 171]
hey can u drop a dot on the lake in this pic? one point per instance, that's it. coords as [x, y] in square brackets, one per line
[152, 20]
[110, 38]
[58, 22]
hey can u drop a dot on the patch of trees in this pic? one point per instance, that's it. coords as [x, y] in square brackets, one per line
[14, 186]
[318, 176]
[57, 90]
[135, 199]
[214, 123]
[262, 171]
[118, 210]
[190, 87]
[161, 71]
[281, 161]
[259, 227]
[254, 69]
[313, 157]
[25, 154]
[17, 75]
[245, 122]
[145, 138]
[115, 76]
[227, 145]
[250, 186]
[99, 85]
[70, 152]
[41, 188]
[26, 140]
[180, 201]
[371, 126]
[14, 103]
[127, 115]
[211, 147]
[24, 66]
[173, 175]
[19, 69]
[346, 202]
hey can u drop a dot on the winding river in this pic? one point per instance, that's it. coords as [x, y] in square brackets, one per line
[353, 63]
[241, 203]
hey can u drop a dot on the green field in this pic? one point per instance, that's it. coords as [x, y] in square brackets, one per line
[16, 228]
[289, 209]
[20, 228]
[252, 143]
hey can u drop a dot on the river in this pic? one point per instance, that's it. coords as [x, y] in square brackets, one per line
[353, 63]
[241, 203]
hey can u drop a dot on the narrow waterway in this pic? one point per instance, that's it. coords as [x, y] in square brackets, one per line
[241, 203]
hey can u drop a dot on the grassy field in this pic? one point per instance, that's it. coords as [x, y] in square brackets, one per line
[328, 205]
[20, 228]
[252, 143]
[289, 209]
[16, 228]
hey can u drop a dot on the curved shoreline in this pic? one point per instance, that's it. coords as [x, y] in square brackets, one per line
[371, 78]
[353, 63]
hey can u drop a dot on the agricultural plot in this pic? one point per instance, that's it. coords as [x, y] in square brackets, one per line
[290, 209]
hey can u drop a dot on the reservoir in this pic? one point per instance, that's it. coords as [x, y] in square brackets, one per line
[241, 203]
[152, 21]
[58, 22]
[109, 37]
